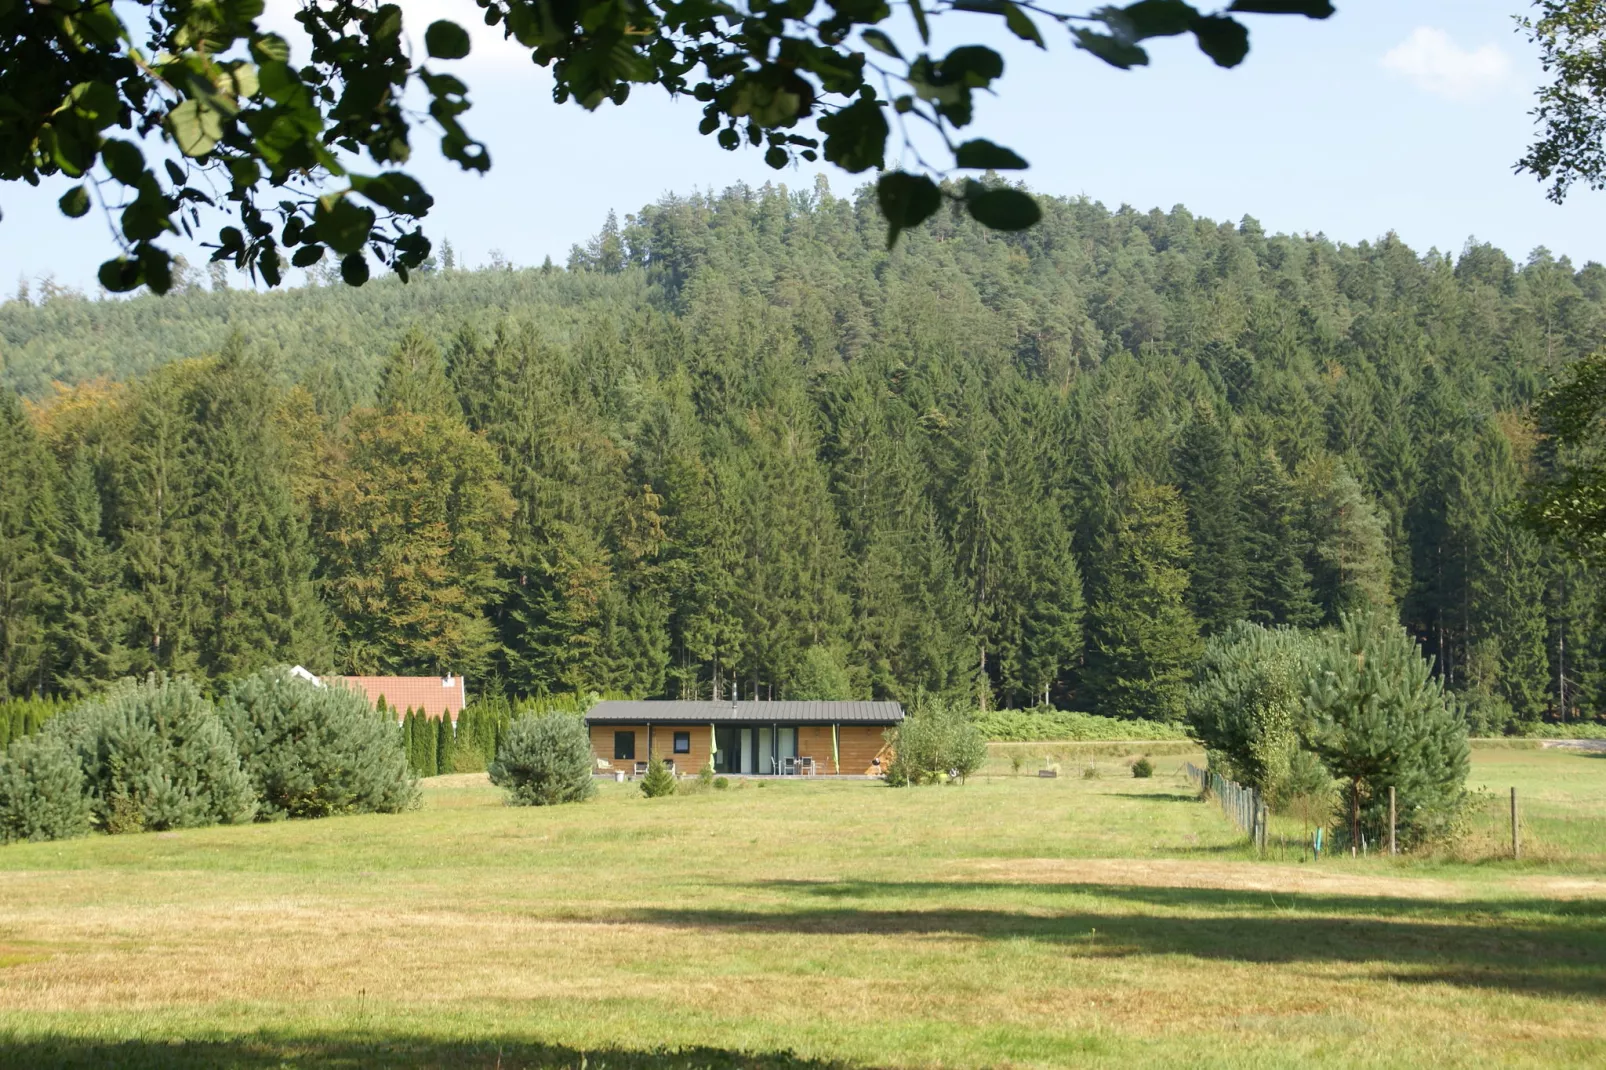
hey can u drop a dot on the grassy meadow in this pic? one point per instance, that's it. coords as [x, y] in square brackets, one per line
[1015, 921]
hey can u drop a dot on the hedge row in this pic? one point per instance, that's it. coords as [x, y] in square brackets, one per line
[1032, 726]
[24, 716]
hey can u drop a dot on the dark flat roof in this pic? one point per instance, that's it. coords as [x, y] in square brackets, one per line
[667, 711]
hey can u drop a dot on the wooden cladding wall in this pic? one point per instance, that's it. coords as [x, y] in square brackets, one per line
[663, 746]
[858, 745]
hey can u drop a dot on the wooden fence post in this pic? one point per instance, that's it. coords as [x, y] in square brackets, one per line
[1393, 849]
[1516, 835]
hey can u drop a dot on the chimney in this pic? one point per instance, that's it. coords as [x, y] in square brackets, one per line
[448, 681]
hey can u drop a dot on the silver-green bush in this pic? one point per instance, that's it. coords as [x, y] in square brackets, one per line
[42, 792]
[939, 739]
[544, 760]
[155, 755]
[314, 751]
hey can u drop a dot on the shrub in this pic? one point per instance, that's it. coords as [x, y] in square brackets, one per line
[314, 751]
[155, 755]
[544, 760]
[938, 740]
[658, 782]
[42, 792]
[1143, 768]
[721, 783]
[1247, 703]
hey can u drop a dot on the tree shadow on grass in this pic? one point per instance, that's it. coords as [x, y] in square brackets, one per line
[1534, 946]
[1149, 796]
[268, 1051]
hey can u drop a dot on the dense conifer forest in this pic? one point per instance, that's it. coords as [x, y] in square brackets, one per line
[737, 442]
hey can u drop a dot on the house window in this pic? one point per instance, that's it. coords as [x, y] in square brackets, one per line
[682, 742]
[624, 745]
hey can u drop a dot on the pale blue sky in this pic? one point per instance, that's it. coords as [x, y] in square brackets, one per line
[1401, 115]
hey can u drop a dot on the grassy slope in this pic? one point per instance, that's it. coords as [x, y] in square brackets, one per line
[1014, 921]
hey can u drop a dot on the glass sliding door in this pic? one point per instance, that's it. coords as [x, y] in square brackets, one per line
[786, 747]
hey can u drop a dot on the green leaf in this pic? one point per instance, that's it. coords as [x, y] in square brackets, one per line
[982, 155]
[907, 201]
[776, 157]
[97, 102]
[119, 275]
[446, 40]
[342, 225]
[1004, 209]
[881, 43]
[1022, 26]
[855, 136]
[270, 48]
[920, 21]
[1311, 9]
[1222, 39]
[307, 255]
[195, 127]
[1150, 18]
[155, 268]
[75, 202]
[123, 159]
[972, 65]
[395, 191]
[1115, 52]
[354, 269]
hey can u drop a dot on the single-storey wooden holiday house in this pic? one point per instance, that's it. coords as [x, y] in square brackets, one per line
[744, 738]
[433, 696]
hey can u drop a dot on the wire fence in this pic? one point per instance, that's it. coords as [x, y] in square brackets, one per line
[1244, 806]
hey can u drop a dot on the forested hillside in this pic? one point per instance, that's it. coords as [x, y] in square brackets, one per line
[737, 441]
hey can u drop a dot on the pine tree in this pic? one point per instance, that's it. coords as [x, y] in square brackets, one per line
[1379, 719]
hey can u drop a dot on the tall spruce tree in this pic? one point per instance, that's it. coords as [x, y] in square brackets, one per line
[27, 522]
[248, 538]
[1279, 584]
[88, 637]
[1206, 467]
[1142, 640]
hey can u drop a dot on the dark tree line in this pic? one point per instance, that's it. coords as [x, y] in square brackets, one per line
[738, 443]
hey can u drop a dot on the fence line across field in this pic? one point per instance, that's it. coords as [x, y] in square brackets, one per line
[1244, 806]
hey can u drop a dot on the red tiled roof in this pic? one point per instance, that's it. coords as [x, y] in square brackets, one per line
[431, 694]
